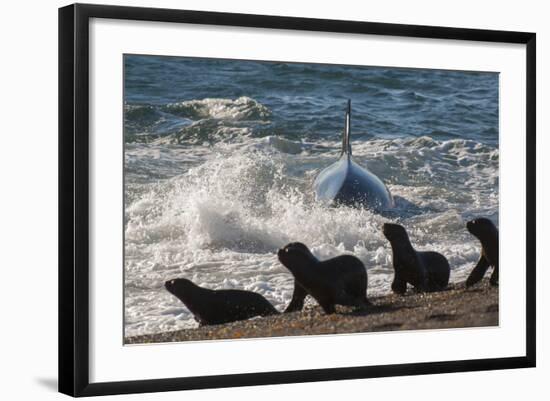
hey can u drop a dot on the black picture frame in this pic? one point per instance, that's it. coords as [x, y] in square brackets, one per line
[74, 198]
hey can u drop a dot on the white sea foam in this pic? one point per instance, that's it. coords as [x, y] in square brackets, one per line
[220, 218]
[242, 108]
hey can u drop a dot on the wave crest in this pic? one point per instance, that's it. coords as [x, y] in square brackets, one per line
[243, 109]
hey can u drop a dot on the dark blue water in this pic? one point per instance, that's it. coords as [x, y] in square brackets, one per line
[220, 157]
[307, 100]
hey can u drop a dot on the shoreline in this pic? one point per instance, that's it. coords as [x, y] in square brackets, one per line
[455, 307]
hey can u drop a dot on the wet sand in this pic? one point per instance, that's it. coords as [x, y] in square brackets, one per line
[453, 308]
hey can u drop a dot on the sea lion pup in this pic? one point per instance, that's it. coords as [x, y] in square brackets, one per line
[486, 232]
[219, 306]
[426, 271]
[338, 281]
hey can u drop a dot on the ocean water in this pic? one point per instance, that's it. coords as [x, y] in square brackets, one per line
[220, 157]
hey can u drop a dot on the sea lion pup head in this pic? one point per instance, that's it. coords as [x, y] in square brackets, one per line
[180, 287]
[295, 255]
[481, 227]
[395, 232]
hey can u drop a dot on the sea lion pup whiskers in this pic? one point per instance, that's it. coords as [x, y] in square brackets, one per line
[484, 230]
[338, 281]
[426, 271]
[219, 306]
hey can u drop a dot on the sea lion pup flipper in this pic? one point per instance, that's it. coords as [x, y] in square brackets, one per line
[354, 291]
[494, 276]
[353, 300]
[328, 307]
[399, 286]
[479, 271]
[298, 298]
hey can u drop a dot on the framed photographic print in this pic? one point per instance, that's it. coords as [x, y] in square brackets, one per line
[249, 199]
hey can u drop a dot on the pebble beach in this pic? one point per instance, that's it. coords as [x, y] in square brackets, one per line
[457, 307]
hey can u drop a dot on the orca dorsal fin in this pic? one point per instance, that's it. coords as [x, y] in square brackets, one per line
[346, 138]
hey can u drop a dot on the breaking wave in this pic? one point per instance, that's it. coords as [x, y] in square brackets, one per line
[220, 221]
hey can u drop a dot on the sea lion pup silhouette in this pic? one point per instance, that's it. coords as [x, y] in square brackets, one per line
[426, 271]
[219, 306]
[338, 281]
[486, 232]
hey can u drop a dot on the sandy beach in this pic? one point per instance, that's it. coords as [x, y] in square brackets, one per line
[454, 308]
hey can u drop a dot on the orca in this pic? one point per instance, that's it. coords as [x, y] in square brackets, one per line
[347, 183]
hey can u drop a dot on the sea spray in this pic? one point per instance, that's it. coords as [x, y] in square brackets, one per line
[221, 222]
